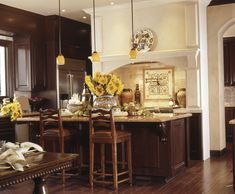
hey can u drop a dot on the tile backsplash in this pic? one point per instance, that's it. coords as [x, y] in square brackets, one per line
[132, 74]
[229, 96]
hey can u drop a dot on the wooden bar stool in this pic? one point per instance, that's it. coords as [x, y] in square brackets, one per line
[102, 131]
[52, 130]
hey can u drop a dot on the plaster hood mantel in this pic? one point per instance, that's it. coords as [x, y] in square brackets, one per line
[183, 58]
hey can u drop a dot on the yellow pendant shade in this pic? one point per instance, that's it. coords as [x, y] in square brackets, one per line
[133, 53]
[95, 57]
[60, 60]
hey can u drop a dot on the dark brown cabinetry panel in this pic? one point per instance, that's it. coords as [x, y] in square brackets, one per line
[38, 64]
[29, 64]
[229, 115]
[178, 137]
[195, 135]
[22, 64]
[229, 61]
[7, 130]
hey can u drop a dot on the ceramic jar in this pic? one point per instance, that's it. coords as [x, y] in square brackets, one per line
[126, 96]
[181, 97]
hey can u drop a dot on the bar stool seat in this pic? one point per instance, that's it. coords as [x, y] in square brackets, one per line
[102, 131]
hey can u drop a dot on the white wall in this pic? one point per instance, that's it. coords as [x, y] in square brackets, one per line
[225, 18]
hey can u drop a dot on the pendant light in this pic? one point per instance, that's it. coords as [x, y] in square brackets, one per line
[133, 51]
[95, 55]
[60, 58]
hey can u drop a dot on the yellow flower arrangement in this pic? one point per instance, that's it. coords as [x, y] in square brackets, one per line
[103, 84]
[13, 110]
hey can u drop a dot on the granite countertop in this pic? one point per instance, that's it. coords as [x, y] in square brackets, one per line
[229, 105]
[232, 122]
[159, 117]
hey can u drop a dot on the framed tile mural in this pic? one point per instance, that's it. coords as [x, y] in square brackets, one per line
[158, 83]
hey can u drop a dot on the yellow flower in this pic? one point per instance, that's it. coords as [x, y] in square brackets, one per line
[12, 109]
[99, 90]
[111, 88]
[120, 88]
[103, 80]
[5, 110]
[102, 84]
[97, 76]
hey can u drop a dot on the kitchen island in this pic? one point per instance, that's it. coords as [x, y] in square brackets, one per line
[160, 143]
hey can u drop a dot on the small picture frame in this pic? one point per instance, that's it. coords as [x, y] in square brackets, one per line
[158, 83]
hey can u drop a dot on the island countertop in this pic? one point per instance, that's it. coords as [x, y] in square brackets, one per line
[159, 117]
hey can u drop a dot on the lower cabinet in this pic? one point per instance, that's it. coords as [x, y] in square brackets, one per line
[195, 136]
[229, 115]
[7, 129]
[158, 149]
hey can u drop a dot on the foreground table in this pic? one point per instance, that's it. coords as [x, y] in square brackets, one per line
[41, 165]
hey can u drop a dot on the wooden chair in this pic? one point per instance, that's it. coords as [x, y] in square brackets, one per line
[102, 131]
[52, 130]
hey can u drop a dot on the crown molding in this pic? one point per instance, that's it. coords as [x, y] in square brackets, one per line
[137, 5]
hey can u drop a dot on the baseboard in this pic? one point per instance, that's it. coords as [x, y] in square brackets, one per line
[218, 153]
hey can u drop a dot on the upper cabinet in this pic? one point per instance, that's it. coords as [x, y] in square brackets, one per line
[229, 61]
[75, 43]
[30, 71]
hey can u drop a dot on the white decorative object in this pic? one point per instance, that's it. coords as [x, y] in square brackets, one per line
[158, 83]
[74, 104]
[144, 39]
[12, 155]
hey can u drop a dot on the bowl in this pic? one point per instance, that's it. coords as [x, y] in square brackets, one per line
[74, 107]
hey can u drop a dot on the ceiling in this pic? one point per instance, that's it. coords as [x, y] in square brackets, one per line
[73, 8]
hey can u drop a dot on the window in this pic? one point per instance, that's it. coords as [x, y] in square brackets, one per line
[2, 71]
[6, 66]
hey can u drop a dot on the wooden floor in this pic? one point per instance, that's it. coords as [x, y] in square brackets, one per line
[213, 176]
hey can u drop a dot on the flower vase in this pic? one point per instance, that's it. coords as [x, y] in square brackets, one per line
[105, 102]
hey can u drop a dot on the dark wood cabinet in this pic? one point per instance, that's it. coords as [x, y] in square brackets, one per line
[22, 64]
[229, 61]
[195, 136]
[30, 66]
[7, 129]
[229, 115]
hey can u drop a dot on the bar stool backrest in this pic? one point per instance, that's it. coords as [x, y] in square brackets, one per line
[101, 121]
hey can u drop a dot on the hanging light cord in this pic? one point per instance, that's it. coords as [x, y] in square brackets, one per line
[94, 24]
[59, 30]
[132, 24]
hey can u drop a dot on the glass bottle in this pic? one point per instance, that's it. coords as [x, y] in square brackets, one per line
[137, 95]
[85, 94]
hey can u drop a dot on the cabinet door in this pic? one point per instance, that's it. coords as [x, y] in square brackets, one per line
[38, 65]
[7, 130]
[22, 64]
[178, 145]
[226, 65]
[229, 115]
[232, 62]
[195, 131]
[229, 61]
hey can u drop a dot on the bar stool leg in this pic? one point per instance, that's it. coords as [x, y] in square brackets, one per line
[123, 155]
[91, 173]
[102, 155]
[114, 158]
[129, 162]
